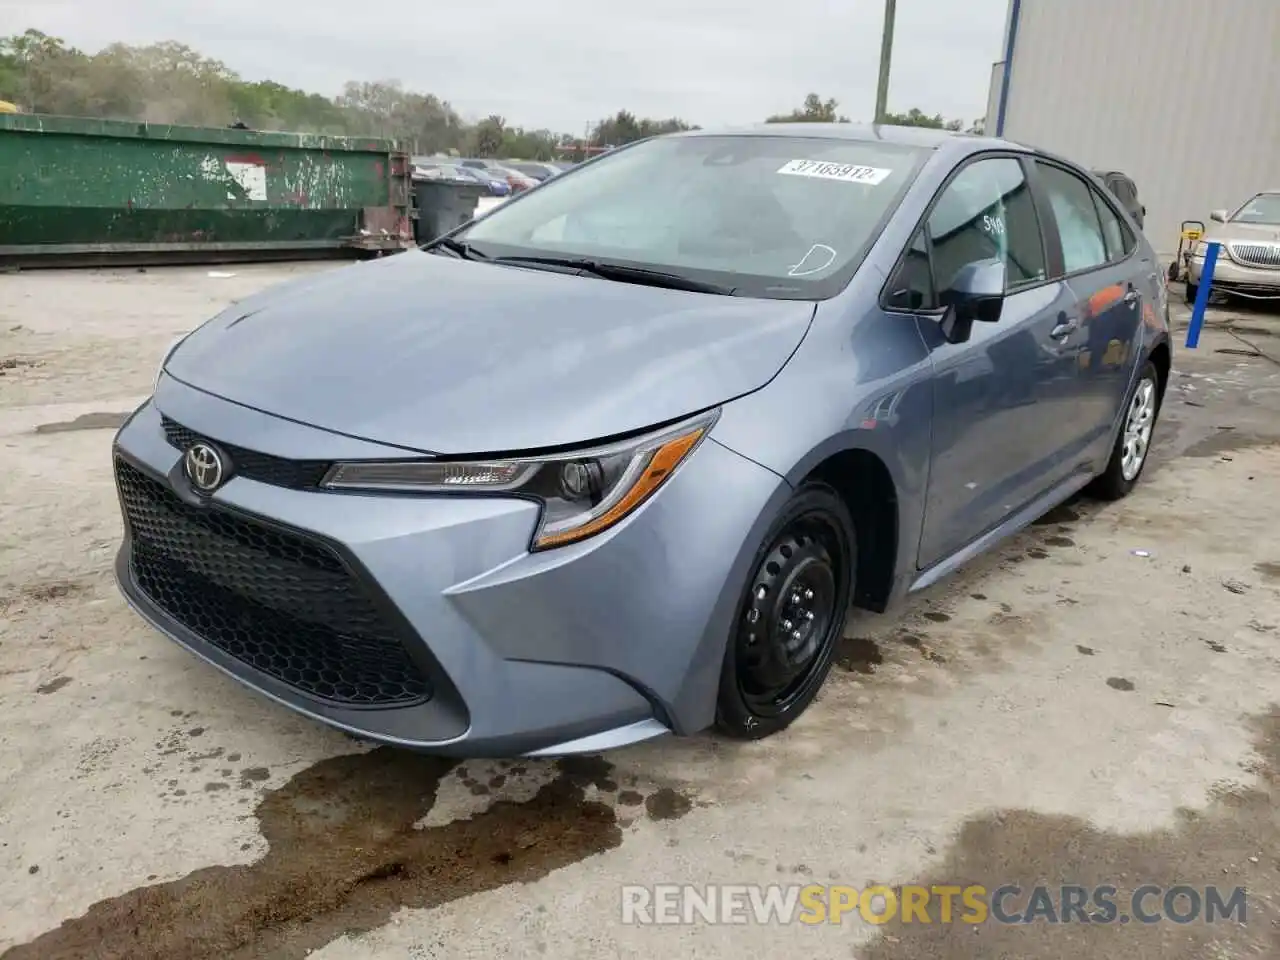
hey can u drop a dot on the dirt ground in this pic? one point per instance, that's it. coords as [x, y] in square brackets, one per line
[1093, 703]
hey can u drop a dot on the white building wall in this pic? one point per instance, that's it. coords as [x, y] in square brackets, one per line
[1182, 95]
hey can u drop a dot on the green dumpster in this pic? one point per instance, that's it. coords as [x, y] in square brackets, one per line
[80, 189]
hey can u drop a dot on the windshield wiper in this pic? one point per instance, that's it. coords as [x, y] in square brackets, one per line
[459, 247]
[626, 274]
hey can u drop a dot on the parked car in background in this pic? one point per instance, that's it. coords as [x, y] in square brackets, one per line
[616, 460]
[1125, 190]
[492, 176]
[538, 170]
[518, 181]
[496, 185]
[1248, 252]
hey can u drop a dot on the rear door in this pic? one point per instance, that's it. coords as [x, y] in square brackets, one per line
[1113, 280]
[1004, 398]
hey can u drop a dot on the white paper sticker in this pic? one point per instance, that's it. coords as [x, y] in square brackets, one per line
[824, 170]
[251, 177]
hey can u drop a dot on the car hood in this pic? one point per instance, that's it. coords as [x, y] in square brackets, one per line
[1243, 233]
[448, 356]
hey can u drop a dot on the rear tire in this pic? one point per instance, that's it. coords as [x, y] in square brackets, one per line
[1133, 443]
[791, 616]
[1190, 292]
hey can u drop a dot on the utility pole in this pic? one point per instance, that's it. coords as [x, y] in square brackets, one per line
[886, 54]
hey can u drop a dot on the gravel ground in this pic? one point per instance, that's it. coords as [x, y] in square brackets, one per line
[1093, 703]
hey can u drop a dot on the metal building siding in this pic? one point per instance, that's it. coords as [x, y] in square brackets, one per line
[1183, 95]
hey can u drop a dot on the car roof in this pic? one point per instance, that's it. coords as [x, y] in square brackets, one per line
[884, 133]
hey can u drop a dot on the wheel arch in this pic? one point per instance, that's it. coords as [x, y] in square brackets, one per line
[865, 481]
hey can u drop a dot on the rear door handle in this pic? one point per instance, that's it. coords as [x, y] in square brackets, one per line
[1064, 329]
[1131, 296]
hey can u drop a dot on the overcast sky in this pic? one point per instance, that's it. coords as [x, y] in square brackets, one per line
[563, 63]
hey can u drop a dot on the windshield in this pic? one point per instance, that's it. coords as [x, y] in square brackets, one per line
[1264, 208]
[777, 217]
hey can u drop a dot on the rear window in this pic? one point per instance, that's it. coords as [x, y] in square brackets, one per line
[779, 217]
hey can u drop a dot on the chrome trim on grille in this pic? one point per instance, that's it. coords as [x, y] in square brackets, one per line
[1266, 255]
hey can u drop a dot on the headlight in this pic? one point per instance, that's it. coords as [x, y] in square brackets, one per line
[582, 492]
[1202, 250]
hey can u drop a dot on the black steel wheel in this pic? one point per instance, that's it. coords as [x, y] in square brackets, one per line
[791, 616]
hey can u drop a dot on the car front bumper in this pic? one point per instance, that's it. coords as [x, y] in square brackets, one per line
[1229, 276]
[425, 622]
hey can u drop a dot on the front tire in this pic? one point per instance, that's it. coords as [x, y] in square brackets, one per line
[791, 616]
[1133, 444]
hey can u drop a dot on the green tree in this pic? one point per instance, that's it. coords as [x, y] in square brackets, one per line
[915, 117]
[626, 127]
[814, 110]
[489, 136]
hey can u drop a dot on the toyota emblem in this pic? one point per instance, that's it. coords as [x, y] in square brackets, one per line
[203, 466]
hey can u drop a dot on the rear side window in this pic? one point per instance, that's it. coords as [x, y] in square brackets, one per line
[1120, 241]
[1079, 227]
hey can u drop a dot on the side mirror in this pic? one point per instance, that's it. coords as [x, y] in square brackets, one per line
[976, 292]
[1219, 215]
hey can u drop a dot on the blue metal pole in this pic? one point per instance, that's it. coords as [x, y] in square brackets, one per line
[1202, 295]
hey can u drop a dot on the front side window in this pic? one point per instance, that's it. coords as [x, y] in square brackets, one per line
[781, 217]
[987, 212]
[912, 284]
[1264, 208]
[1079, 229]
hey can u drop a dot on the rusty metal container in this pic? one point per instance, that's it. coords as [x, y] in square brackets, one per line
[75, 189]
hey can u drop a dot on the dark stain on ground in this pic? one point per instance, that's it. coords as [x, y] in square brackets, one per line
[54, 685]
[1120, 683]
[1229, 844]
[978, 596]
[1270, 570]
[1059, 541]
[666, 804]
[1224, 440]
[1063, 513]
[936, 616]
[1035, 553]
[86, 421]
[343, 857]
[859, 655]
[45, 592]
[17, 363]
[1215, 647]
[1085, 651]
[630, 798]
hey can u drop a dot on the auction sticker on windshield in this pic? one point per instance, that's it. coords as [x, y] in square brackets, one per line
[824, 170]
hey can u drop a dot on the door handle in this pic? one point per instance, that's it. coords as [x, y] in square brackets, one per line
[1131, 297]
[1064, 329]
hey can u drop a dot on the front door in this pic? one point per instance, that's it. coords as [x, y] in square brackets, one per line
[1004, 399]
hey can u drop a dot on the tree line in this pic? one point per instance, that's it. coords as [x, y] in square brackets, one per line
[171, 82]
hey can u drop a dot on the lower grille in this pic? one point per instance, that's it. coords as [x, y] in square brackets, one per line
[1255, 254]
[280, 602]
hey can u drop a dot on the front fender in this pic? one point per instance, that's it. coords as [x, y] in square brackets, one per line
[856, 383]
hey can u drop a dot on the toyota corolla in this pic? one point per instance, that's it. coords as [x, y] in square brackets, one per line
[616, 459]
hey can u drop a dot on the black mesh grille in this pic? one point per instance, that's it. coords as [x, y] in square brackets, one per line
[280, 602]
[277, 471]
